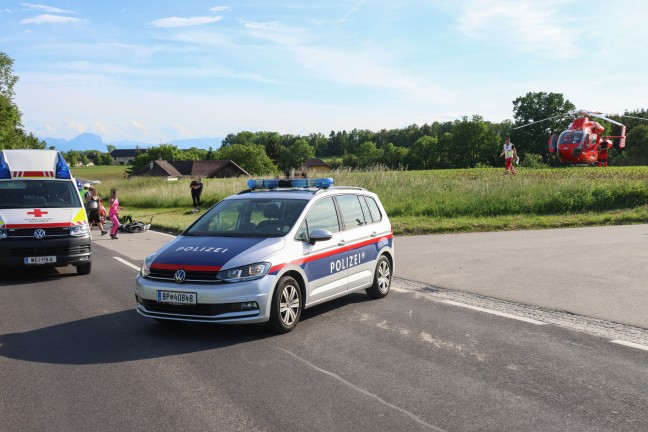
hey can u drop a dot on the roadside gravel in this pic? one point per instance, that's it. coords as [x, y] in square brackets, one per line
[593, 326]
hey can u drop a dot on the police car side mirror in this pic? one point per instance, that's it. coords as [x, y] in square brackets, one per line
[319, 235]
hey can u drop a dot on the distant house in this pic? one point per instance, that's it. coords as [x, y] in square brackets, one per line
[202, 168]
[316, 165]
[126, 156]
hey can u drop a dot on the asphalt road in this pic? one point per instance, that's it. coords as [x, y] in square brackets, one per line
[75, 356]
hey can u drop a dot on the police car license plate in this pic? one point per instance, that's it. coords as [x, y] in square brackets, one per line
[177, 297]
[40, 260]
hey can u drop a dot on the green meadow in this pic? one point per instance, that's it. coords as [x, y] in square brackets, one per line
[420, 202]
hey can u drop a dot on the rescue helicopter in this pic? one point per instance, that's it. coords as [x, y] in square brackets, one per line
[583, 143]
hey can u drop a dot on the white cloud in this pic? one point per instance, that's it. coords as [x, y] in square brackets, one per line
[183, 22]
[51, 19]
[522, 24]
[219, 9]
[45, 8]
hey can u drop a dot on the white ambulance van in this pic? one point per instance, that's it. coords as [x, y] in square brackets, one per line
[42, 218]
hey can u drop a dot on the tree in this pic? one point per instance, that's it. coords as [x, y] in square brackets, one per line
[12, 134]
[636, 152]
[252, 158]
[295, 155]
[168, 152]
[551, 108]
[473, 143]
[369, 154]
[7, 78]
[420, 153]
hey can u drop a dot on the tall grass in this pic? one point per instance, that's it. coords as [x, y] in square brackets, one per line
[437, 201]
[485, 192]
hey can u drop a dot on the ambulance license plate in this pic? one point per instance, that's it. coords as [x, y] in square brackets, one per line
[177, 297]
[40, 260]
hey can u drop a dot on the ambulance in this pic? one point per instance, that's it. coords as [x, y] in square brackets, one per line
[42, 219]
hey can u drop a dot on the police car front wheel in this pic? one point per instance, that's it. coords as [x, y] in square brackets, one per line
[286, 307]
[382, 279]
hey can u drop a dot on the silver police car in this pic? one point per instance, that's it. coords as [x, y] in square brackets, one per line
[269, 252]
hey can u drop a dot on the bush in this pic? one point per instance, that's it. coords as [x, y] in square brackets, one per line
[532, 160]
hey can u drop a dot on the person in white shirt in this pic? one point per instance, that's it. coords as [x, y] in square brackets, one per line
[509, 153]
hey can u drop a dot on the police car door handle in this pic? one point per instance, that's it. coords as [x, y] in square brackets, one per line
[342, 243]
[374, 234]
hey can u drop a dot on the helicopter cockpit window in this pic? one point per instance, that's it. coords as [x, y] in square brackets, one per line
[571, 137]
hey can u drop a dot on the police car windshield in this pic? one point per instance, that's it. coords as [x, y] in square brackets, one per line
[253, 217]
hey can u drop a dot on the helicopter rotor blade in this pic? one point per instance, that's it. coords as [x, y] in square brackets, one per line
[638, 118]
[606, 119]
[539, 121]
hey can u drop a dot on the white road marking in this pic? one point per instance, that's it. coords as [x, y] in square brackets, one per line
[502, 314]
[364, 392]
[123, 261]
[630, 344]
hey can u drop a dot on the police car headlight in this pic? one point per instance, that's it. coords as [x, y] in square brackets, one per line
[3, 233]
[79, 230]
[146, 265]
[244, 273]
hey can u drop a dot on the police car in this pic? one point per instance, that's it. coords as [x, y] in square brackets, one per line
[267, 253]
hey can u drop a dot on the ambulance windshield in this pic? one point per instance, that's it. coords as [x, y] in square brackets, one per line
[38, 194]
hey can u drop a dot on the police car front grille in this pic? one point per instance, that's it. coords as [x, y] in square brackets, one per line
[199, 309]
[54, 250]
[191, 276]
[29, 232]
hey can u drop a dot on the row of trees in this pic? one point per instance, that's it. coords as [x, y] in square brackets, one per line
[465, 143]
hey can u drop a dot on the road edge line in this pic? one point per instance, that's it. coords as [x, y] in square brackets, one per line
[493, 312]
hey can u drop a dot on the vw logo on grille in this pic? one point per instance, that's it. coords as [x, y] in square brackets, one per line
[39, 233]
[180, 276]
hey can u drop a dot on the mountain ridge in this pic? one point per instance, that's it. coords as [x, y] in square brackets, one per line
[89, 141]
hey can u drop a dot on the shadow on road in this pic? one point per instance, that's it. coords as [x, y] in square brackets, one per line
[119, 337]
[126, 336]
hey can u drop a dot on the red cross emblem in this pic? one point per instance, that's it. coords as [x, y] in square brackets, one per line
[37, 213]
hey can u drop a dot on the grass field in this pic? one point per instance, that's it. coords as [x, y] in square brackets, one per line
[420, 202]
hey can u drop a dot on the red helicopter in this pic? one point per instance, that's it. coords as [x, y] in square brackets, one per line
[583, 143]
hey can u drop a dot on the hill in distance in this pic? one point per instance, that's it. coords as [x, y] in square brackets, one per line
[89, 141]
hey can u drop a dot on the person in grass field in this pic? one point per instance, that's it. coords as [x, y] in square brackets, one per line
[509, 153]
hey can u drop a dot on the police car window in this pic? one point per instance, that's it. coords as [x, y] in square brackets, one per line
[376, 216]
[365, 208]
[323, 216]
[302, 232]
[351, 211]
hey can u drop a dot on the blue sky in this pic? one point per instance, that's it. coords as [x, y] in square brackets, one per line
[160, 70]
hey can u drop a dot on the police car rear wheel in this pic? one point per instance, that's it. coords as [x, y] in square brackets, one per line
[286, 305]
[382, 279]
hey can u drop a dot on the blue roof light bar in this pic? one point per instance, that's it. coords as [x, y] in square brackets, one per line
[4, 168]
[321, 183]
[62, 170]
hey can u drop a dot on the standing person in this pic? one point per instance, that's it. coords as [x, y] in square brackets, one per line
[93, 205]
[509, 152]
[113, 213]
[602, 159]
[196, 189]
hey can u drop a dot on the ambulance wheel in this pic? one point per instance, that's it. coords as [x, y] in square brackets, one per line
[84, 269]
[382, 279]
[286, 305]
